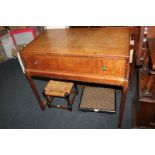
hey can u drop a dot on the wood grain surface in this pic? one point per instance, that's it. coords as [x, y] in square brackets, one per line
[151, 43]
[82, 41]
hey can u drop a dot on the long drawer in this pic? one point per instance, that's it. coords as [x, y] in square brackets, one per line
[76, 64]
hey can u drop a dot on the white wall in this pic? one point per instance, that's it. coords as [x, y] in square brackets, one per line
[56, 27]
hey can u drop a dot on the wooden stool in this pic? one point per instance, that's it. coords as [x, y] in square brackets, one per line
[60, 89]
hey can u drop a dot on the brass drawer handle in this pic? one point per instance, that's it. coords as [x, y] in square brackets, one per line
[104, 68]
[35, 62]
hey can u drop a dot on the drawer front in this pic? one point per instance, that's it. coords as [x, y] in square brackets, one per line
[81, 65]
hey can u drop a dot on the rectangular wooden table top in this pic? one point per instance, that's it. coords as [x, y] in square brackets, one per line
[82, 41]
[99, 55]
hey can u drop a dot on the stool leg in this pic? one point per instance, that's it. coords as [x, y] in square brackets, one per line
[68, 101]
[76, 89]
[47, 100]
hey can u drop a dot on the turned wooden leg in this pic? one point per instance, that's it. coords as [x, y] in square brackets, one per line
[76, 89]
[48, 100]
[68, 102]
[122, 105]
[35, 91]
